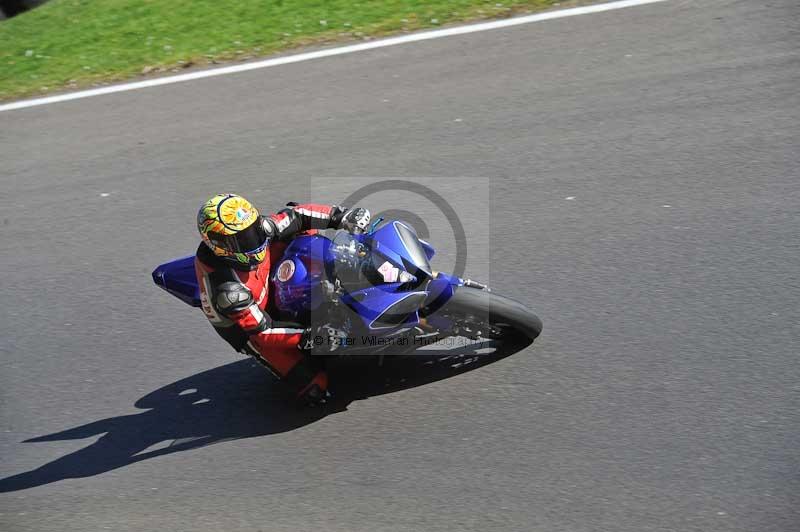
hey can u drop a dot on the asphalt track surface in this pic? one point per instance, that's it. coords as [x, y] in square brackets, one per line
[662, 395]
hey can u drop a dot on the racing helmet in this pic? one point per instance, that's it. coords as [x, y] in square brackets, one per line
[232, 227]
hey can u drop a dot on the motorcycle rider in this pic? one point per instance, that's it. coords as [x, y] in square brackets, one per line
[233, 271]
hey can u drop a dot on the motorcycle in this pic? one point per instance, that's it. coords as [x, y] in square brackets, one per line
[379, 289]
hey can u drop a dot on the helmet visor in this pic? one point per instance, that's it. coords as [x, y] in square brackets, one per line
[247, 240]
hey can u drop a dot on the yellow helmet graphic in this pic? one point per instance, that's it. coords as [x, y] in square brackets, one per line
[231, 226]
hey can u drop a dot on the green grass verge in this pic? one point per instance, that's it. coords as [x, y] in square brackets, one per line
[68, 44]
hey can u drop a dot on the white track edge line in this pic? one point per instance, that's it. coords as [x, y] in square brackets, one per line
[307, 56]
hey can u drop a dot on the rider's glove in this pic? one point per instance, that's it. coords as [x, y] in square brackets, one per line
[356, 220]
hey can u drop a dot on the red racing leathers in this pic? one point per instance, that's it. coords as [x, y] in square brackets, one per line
[236, 298]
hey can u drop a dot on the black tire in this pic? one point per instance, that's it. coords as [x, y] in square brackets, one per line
[506, 318]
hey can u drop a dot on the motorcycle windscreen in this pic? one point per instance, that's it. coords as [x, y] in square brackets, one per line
[402, 241]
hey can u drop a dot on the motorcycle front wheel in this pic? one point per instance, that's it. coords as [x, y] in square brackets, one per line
[482, 314]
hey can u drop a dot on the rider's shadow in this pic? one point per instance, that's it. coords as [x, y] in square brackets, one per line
[230, 402]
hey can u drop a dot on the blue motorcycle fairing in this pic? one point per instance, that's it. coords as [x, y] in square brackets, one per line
[302, 291]
[178, 278]
[384, 307]
[318, 259]
[441, 289]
